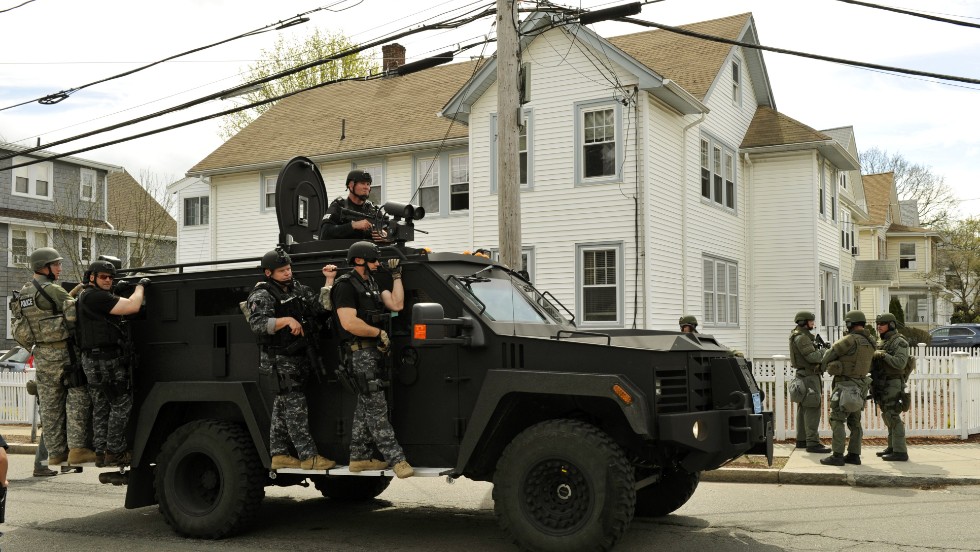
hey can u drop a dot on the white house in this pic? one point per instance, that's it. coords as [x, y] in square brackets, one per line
[658, 177]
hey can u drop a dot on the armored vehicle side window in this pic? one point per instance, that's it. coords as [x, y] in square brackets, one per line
[219, 301]
[502, 301]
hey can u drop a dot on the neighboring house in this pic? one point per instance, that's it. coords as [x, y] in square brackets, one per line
[83, 208]
[194, 229]
[657, 177]
[895, 258]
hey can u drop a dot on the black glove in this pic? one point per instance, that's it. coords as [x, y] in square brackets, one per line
[145, 282]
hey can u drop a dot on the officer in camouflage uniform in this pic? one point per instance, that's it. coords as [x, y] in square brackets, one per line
[99, 319]
[688, 323]
[849, 361]
[890, 360]
[61, 387]
[277, 307]
[360, 308]
[805, 358]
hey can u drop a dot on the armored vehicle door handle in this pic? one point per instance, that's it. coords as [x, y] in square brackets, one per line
[451, 379]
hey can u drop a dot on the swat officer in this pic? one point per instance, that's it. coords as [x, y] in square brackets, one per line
[889, 381]
[337, 224]
[101, 338]
[60, 382]
[805, 358]
[849, 361]
[278, 307]
[360, 307]
[688, 323]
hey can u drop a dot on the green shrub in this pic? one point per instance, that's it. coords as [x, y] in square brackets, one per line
[915, 336]
[895, 307]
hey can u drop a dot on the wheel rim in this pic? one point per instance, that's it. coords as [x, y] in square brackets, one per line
[196, 481]
[557, 496]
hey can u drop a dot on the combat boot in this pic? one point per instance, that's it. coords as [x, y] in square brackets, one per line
[57, 459]
[821, 448]
[364, 465]
[44, 472]
[281, 461]
[100, 459]
[896, 457]
[317, 463]
[801, 444]
[81, 456]
[884, 452]
[852, 458]
[403, 470]
[833, 460]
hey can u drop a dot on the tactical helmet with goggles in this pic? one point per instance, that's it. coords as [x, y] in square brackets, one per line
[43, 256]
[803, 317]
[887, 318]
[102, 267]
[855, 317]
[363, 250]
[277, 258]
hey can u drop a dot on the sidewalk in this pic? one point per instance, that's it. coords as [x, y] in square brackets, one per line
[18, 439]
[932, 465]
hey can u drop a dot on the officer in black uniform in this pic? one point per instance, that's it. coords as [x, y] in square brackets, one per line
[337, 224]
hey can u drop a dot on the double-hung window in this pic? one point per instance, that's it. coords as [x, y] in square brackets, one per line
[24, 240]
[87, 186]
[459, 182]
[376, 170]
[718, 173]
[906, 256]
[196, 211]
[720, 279]
[268, 192]
[598, 142]
[600, 284]
[525, 153]
[427, 170]
[443, 183]
[736, 82]
[34, 181]
[86, 248]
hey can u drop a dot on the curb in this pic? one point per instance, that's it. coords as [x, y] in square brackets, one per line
[22, 448]
[749, 475]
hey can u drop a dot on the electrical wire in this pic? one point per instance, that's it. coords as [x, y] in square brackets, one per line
[57, 97]
[912, 13]
[440, 25]
[17, 6]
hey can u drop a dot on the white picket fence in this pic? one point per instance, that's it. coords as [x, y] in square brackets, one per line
[16, 406]
[945, 391]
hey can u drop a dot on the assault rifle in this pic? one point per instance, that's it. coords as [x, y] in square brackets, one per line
[820, 343]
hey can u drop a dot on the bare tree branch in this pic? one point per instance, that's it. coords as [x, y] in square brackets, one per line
[934, 198]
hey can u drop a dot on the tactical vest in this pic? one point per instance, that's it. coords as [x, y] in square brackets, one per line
[285, 304]
[47, 326]
[344, 202]
[796, 356]
[94, 330]
[856, 363]
[370, 307]
[889, 347]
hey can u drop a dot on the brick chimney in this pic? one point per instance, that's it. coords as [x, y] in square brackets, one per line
[393, 56]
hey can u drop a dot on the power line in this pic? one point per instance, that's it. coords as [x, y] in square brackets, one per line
[17, 6]
[298, 19]
[912, 13]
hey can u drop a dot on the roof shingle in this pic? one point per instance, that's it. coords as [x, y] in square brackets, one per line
[771, 128]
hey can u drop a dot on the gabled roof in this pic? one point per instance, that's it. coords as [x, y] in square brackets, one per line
[771, 131]
[343, 118]
[880, 191]
[133, 209]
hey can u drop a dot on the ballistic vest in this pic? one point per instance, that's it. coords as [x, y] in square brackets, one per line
[94, 330]
[797, 357]
[286, 303]
[47, 325]
[890, 345]
[370, 307]
[856, 362]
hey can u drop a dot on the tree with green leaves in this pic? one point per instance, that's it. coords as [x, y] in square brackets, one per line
[957, 267]
[286, 54]
[934, 198]
[895, 307]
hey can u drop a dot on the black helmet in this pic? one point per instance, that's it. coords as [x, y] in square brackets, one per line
[803, 316]
[102, 267]
[357, 175]
[277, 258]
[43, 256]
[887, 318]
[855, 317]
[363, 250]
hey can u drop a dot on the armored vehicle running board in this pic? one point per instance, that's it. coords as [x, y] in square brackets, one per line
[342, 470]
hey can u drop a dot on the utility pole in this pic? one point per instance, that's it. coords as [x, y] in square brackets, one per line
[508, 122]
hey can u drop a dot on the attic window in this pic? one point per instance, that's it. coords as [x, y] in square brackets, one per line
[736, 83]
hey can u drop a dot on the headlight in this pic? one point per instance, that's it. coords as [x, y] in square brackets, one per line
[697, 431]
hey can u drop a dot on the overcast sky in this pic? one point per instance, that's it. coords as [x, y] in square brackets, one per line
[53, 45]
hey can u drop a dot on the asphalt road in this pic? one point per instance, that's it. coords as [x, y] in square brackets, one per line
[74, 512]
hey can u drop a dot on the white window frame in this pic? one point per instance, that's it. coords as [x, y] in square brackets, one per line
[713, 294]
[830, 313]
[32, 174]
[909, 258]
[846, 231]
[736, 76]
[202, 216]
[86, 174]
[427, 177]
[842, 179]
[821, 190]
[833, 196]
[443, 176]
[457, 178]
[718, 157]
[904, 299]
[580, 251]
[528, 165]
[265, 195]
[847, 297]
[580, 111]
[92, 255]
[130, 246]
[377, 171]
[32, 243]
[527, 259]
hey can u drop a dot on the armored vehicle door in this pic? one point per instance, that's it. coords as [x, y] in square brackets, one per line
[301, 201]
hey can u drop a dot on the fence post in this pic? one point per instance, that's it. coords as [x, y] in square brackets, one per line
[960, 370]
[779, 400]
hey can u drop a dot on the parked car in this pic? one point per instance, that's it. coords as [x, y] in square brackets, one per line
[15, 360]
[956, 335]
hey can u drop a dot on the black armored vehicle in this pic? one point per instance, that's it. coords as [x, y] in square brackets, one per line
[490, 379]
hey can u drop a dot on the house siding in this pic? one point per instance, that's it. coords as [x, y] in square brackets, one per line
[244, 230]
[194, 242]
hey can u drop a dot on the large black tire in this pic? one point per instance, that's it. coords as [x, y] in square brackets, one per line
[667, 495]
[209, 480]
[349, 487]
[563, 486]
